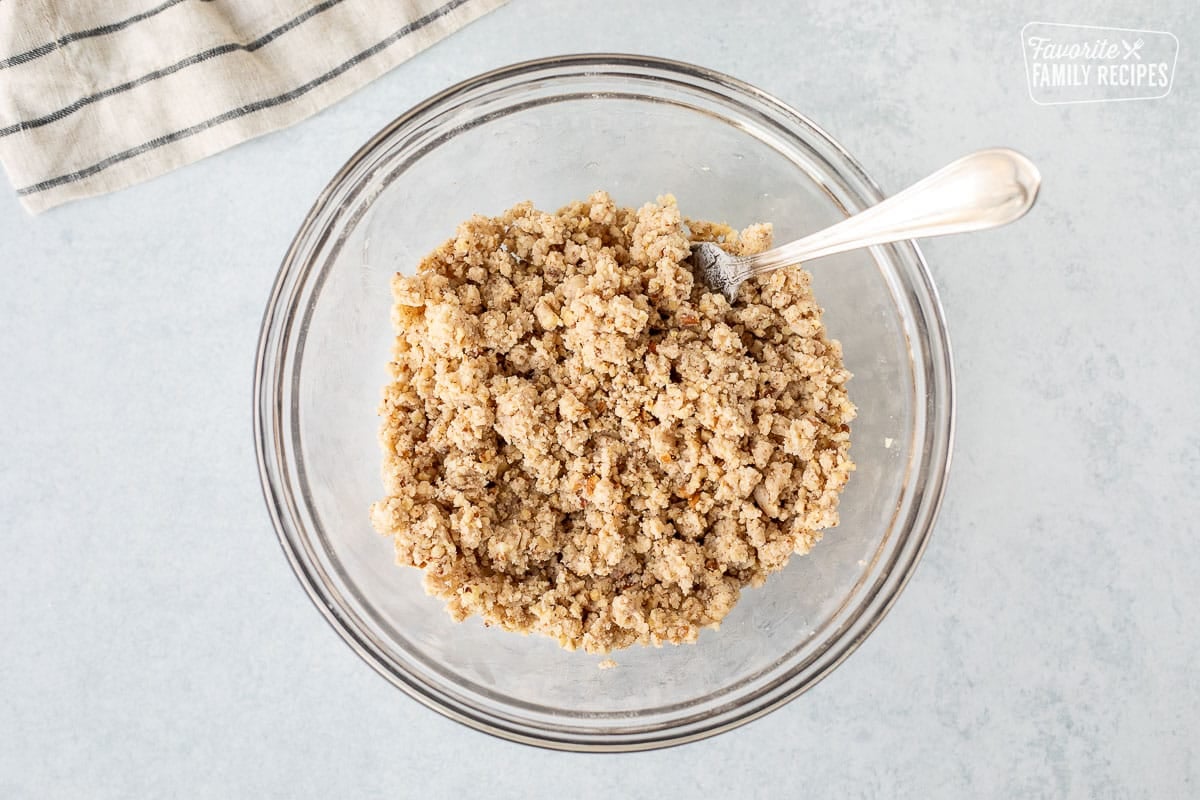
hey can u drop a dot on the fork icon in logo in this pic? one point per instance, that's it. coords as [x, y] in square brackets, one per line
[1132, 49]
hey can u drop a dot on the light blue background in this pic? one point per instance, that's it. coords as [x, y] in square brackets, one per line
[154, 643]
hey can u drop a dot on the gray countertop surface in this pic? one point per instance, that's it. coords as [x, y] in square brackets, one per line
[156, 644]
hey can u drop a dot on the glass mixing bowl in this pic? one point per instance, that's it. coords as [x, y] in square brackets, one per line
[553, 131]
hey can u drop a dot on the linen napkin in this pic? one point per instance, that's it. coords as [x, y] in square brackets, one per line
[96, 96]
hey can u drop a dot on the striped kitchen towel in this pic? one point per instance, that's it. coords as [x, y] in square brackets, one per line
[96, 96]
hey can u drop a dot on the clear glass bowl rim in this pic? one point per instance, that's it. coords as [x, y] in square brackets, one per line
[932, 476]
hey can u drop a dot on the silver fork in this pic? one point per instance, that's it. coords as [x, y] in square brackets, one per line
[982, 190]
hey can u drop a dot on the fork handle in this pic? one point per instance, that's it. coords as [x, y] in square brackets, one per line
[985, 189]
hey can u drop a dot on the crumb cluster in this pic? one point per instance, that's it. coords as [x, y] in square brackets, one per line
[582, 441]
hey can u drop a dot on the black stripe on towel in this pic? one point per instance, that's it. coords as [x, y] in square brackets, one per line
[50, 47]
[220, 50]
[249, 108]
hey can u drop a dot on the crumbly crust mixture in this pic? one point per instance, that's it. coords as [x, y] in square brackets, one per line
[581, 441]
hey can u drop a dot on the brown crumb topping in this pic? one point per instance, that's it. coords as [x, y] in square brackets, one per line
[580, 440]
